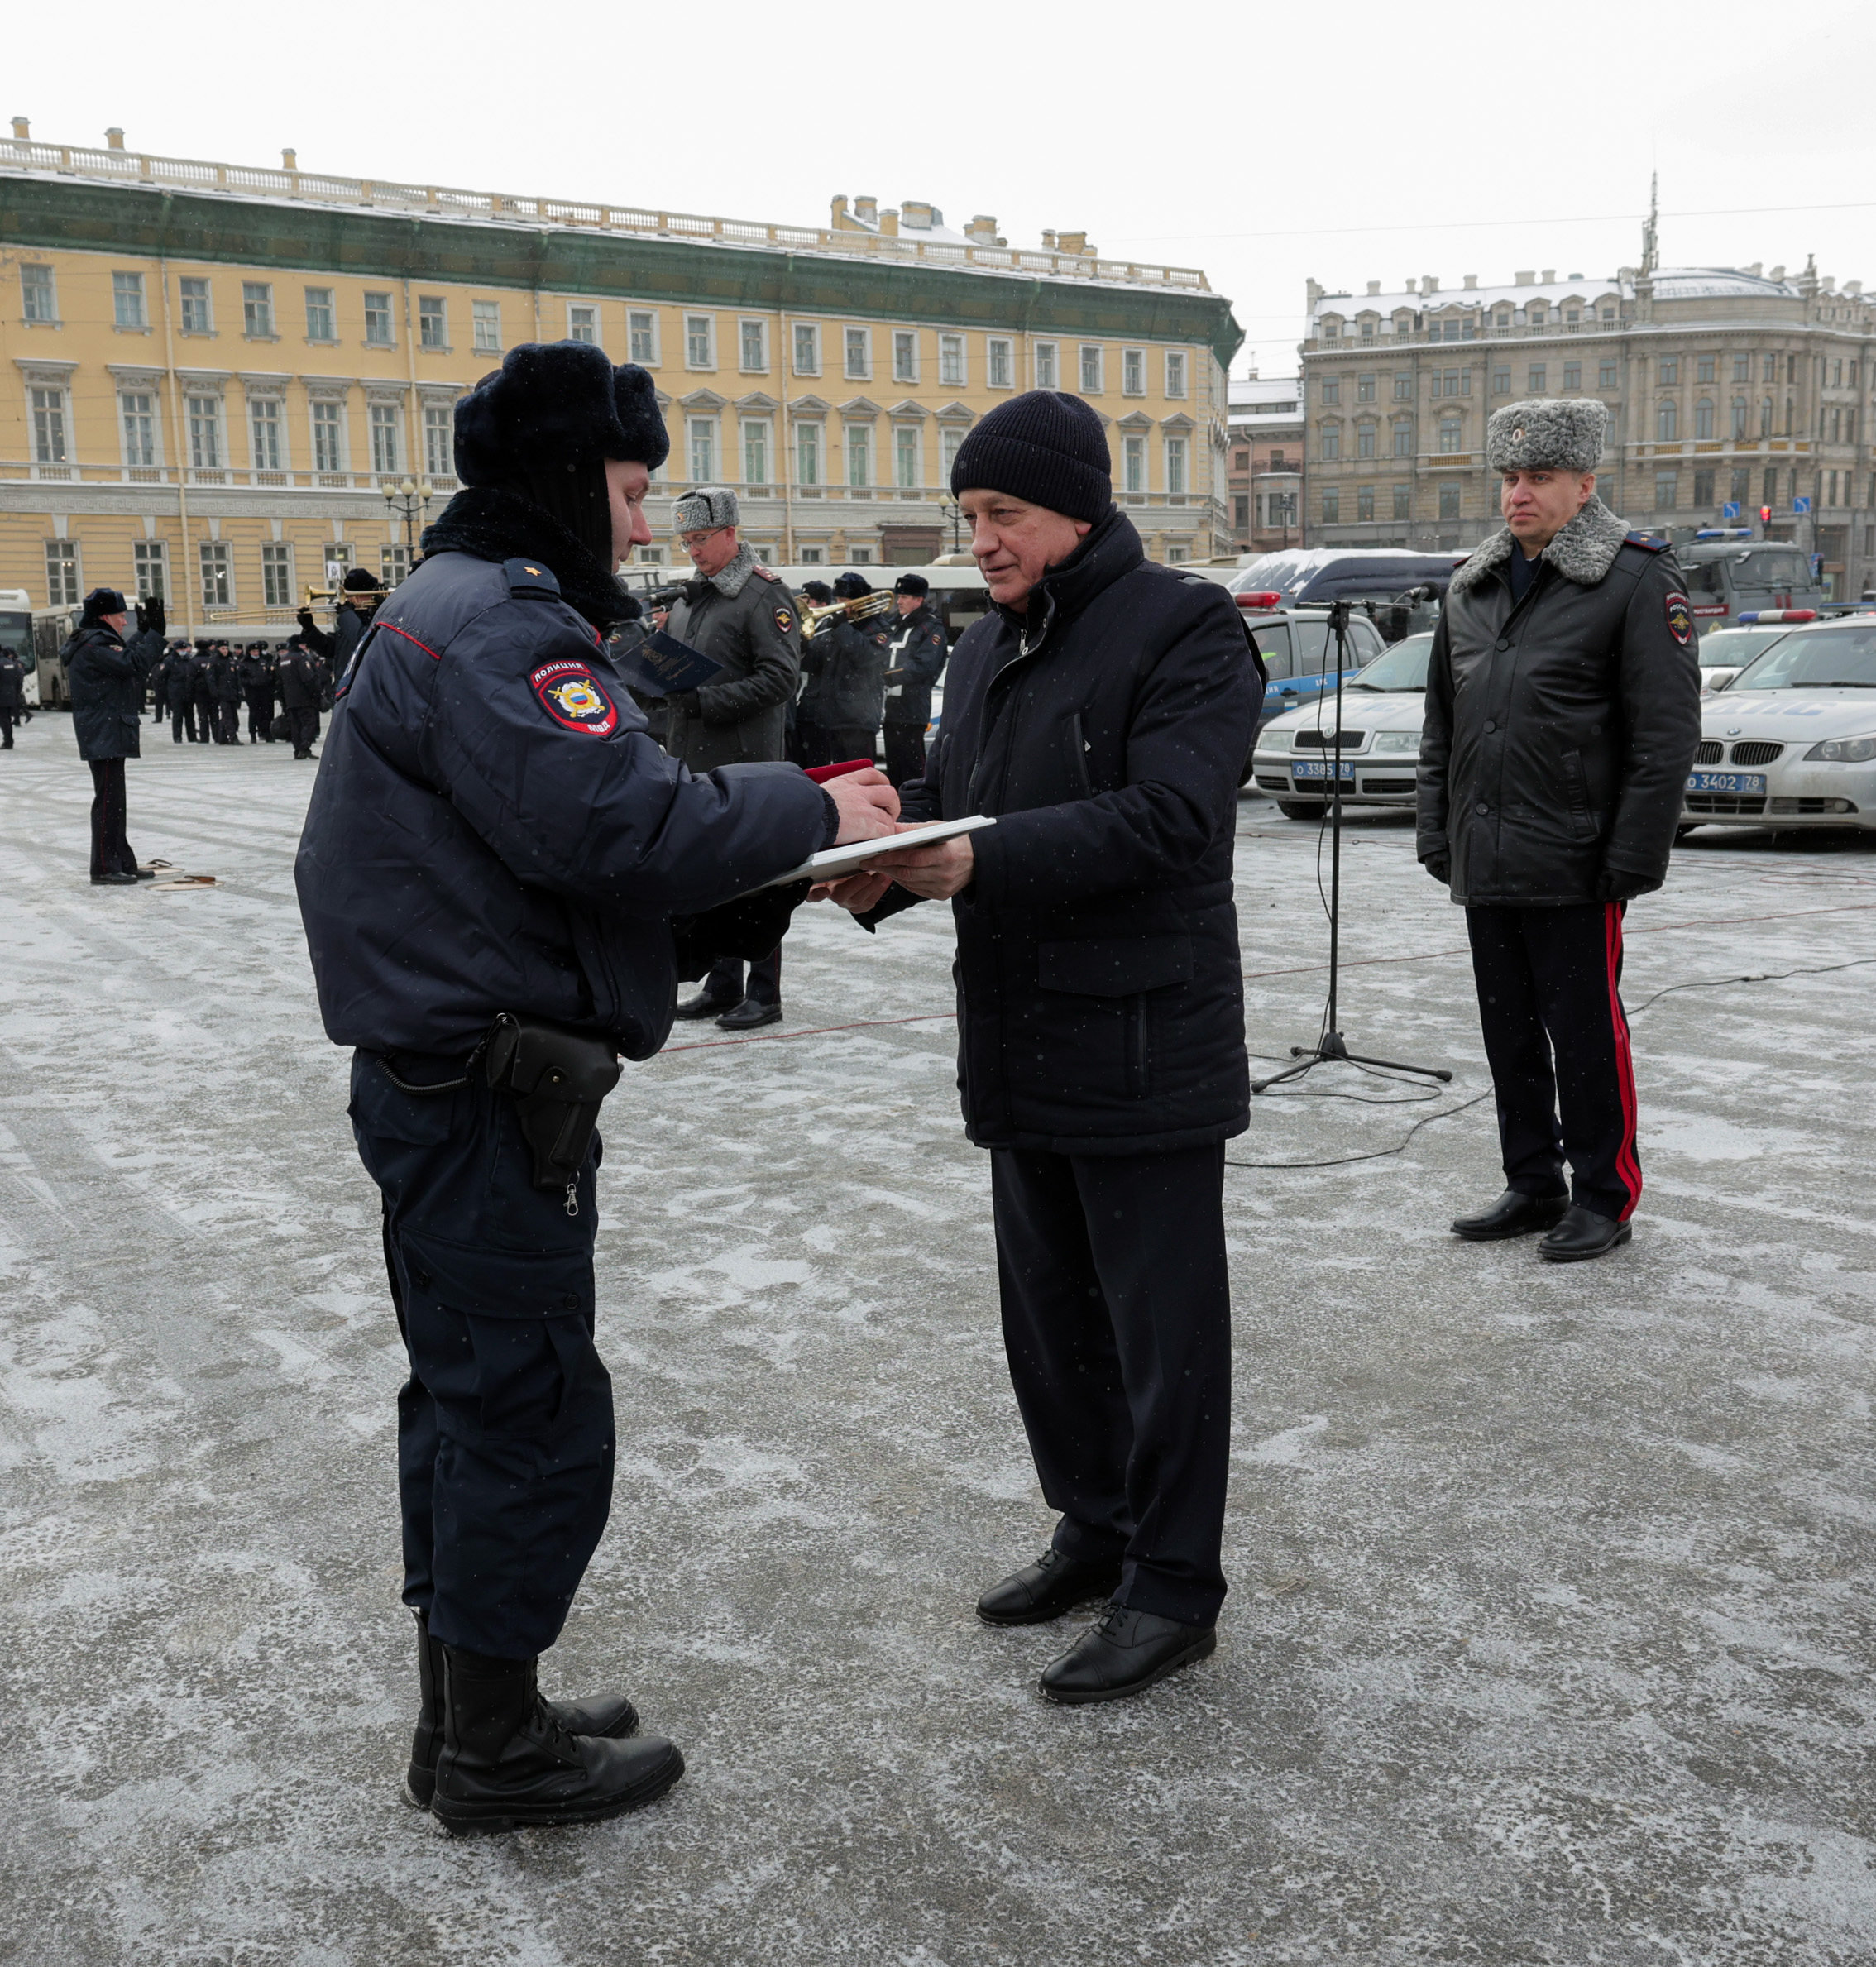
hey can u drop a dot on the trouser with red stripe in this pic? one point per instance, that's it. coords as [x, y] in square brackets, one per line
[1557, 1039]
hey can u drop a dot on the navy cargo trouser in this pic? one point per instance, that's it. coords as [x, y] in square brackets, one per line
[505, 1443]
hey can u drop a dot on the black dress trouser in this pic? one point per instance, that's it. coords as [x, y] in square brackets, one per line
[7, 713]
[1557, 1039]
[848, 741]
[1117, 1320]
[303, 722]
[504, 1425]
[110, 851]
[725, 979]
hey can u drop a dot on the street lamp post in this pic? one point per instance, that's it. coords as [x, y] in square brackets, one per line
[948, 507]
[409, 500]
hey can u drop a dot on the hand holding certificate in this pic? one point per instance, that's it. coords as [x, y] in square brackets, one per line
[934, 861]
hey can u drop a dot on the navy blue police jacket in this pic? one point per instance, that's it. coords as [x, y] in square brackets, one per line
[493, 829]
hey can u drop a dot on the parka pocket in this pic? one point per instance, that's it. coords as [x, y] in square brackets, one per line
[1077, 741]
[1118, 974]
[1576, 794]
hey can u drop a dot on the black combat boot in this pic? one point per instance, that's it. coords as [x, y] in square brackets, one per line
[506, 1760]
[612, 1715]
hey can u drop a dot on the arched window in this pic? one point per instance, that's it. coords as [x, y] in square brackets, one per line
[1765, 417]
[1667, 420]
[1331, 442]
[1739, 412]
[1449, 435]
[1703, 417]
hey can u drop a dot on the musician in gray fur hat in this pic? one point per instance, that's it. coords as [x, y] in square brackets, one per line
[1562, 711]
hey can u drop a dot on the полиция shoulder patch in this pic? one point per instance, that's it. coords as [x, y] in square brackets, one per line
[574, 697]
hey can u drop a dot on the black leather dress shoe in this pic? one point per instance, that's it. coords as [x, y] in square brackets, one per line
[703, 1005]
[1514, 1214]
[1583, 1233]
[113, 880]
[1125, 1654]
[747, 1014]
[1047, 1589]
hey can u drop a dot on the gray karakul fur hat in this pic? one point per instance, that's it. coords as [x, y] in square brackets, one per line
[708, 505]
[556, 403]
[1556, 434]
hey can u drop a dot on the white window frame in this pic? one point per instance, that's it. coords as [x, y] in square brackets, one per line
[485, 327]
[856, 439]
[202, 417]
[761, 431]
[642, 321]
[1046, 358]
[439, 440]
[383, 419]
[999, 354]
[64, 555]
[1175, 457]
[708, 324]
[144, 394]
[388, 311]
[902, 450]
[812, 330]
[954, 363]
[905, 355]
[1179, 374]
[701, 430]
[186, 303]
[1091, 368]
[257, 306]
[811, 451]
[1134, 468]
[583, 322]
[856, 342]
[433, 308]
[950, 436]
[48, 287]
[214, 561]
[748, 326]
[393, 563]
[1133, 373]
[126, 286]
[271, 411]
[340, 427]
[330, 307]
[276, 574]
[145, 555]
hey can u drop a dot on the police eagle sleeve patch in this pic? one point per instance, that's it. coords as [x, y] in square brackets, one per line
[1680, 619]
[574, 698]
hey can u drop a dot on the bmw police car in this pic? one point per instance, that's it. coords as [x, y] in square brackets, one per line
[1382, 709]
[1791, 741]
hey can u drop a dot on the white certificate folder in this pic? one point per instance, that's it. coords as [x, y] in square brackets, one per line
[832, 861]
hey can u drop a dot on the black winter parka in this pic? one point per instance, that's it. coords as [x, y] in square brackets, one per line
[917, 651]
[1101, 1010]
[1559, 732]
[108, 677]
[846, 666]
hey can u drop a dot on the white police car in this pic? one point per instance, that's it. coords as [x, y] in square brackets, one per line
[1791, 741]
[1382, 709]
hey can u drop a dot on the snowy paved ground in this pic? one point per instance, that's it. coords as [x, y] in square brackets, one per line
[1549, 1641]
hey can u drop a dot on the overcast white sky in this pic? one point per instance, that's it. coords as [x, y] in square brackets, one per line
[1353, 143]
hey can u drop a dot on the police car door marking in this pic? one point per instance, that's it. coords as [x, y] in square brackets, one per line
[571, 694]
[1680, 619]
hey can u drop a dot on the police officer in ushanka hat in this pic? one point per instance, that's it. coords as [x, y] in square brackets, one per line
[1562, 711]
[494, 855]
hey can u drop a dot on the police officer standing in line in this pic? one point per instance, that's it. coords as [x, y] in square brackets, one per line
[226, 684]
[1563, 713]
[494, 853]
[741, 615]
[917, 652]
[303, 685]
[159, 686]
[12, 694]
[201, 693]
[257, 686]
[848, 658]
[180, 689]
[808, 735]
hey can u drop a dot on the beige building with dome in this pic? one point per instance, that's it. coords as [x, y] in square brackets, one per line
[1724, 386]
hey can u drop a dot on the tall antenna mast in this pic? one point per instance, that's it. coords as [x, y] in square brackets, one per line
[1650, 241]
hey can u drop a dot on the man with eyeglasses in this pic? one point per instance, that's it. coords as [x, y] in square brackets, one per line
[741, 615]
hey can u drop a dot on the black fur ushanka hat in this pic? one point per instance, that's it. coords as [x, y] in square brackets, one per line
[556, 403]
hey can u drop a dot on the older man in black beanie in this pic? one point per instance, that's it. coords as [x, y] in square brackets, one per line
[494, 855]
[1102, 712]
[108, 678]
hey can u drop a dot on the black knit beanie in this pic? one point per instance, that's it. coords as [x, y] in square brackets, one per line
[1047, 448]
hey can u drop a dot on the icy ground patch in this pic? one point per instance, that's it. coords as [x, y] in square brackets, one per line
[1549, 1633]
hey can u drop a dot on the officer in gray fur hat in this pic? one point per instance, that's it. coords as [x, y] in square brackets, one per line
[738, 613]
[1562, 712]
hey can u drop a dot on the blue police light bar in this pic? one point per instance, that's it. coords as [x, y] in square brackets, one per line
[1777, 615]
[1724, 533]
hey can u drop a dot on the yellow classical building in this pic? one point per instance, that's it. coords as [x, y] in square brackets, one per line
[220, 372]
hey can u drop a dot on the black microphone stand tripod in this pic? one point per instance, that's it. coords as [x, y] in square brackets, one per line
[1331, 1046]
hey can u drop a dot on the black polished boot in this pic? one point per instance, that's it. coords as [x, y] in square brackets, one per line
[746, 1016]
[612, 1716]
[703, 1005]
[1514, 1214]
[506, 1760]
[113, 879]
[1583, 1233]
[1052, 1584]
[1127, 1653]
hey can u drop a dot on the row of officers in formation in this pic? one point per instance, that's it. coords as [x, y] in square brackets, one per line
[200, 689]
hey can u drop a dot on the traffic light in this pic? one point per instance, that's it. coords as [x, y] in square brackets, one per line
[1765, 515]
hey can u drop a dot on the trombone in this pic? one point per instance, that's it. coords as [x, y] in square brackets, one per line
[861, 607]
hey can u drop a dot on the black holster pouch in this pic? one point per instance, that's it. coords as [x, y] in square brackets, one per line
[558, 1080]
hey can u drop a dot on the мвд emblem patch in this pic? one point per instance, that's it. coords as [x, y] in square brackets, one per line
[572, 696]
[784, 620]
[1680, 619]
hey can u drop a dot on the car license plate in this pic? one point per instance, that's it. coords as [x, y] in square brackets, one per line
[1319, 769]
[1726, 782]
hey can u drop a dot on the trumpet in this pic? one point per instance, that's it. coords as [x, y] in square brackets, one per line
[861, 607]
